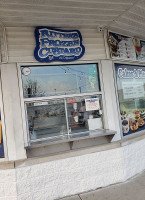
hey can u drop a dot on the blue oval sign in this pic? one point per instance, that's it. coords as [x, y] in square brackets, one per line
[58, 45]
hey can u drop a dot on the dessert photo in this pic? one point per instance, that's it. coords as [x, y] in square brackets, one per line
[140, 122]
[133, 121]
[134, 126]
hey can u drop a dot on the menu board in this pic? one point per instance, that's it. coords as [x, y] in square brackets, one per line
[121, 46]
[133, 90]
[139, 49]
[131, 95]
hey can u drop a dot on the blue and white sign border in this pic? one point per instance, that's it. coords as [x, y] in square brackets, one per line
[63, 58]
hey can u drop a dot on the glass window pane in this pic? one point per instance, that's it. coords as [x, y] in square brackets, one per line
[131, 92]
[46, 119]
[41, 81]
[84, 113]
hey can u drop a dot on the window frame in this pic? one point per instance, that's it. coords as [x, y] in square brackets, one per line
[38, 99]
[137, 133]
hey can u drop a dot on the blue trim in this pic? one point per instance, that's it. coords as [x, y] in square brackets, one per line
[61, 57]
[1, 150]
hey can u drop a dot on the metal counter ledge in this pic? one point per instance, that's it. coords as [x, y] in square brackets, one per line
[71, 137]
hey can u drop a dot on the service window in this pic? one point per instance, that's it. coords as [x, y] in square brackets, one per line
[61, 101]
[131, 93]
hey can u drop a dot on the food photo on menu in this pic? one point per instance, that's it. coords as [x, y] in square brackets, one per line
[132, 122]
[121, 46]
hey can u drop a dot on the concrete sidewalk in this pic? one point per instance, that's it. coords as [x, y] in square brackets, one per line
[134, 189]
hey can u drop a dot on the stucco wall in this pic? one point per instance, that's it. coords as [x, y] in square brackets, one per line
[8, 184]
[60, 178]
[70, 176]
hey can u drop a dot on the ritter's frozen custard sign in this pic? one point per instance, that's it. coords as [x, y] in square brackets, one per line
[58, 45]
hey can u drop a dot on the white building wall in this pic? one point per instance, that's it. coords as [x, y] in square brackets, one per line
[69, 176]
[62, 177]
[21, 44]
[18, 44]
[112, 114]
[8, 187]
[12, 113]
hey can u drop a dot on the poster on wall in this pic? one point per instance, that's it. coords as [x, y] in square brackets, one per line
[121, 46]
[58, 45]
[1, 140]
[131, 93]
[139, 49]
